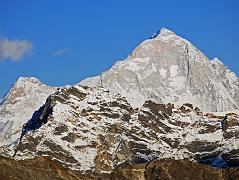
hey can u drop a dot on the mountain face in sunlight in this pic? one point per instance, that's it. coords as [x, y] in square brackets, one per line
[165, 101]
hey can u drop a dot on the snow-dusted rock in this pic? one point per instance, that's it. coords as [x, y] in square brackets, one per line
[168, 69]
[91, 130]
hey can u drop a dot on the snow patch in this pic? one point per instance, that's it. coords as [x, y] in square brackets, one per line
[173, 70]
[163, 72]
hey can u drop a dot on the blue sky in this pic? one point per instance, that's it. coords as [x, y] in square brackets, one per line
[64, 41]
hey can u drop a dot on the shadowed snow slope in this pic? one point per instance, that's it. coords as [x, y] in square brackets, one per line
[169, 69]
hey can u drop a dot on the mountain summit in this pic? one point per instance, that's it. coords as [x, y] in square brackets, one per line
[153, 105]
[169, 69]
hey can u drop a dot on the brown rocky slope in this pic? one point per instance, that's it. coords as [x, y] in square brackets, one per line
[41, 168]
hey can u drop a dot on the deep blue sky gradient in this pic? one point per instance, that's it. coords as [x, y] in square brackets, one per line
[100, 32]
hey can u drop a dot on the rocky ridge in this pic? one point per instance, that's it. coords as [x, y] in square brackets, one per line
[89, 130]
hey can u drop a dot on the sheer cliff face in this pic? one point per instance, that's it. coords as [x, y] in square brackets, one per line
[169, 69]
[26, 96]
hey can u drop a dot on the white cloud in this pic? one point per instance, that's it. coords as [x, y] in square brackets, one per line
[61, 52]
[14, 49]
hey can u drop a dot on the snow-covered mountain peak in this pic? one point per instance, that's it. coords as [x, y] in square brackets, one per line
[21, 87]
[27, 95]
[166, 32]
[154, 104]
[164, 43]
[162, 32]
[166, 35]
[170, 69]
[21, 81]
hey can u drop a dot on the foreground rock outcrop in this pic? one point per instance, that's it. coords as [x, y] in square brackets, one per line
[174, 170]
[39, 168]
[42, 168]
